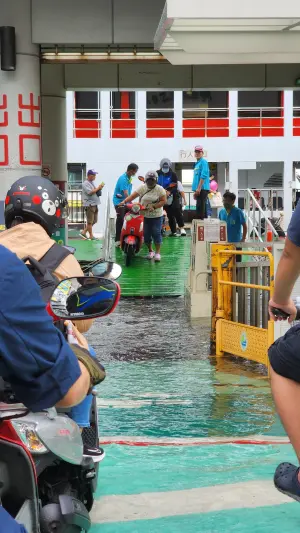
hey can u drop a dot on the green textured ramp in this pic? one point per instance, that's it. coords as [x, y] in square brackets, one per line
[147, 278]
[87, 250]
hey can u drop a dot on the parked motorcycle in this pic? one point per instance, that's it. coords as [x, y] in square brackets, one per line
[132, 234]
[45, 482]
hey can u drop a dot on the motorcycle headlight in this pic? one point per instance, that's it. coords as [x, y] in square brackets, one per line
[29, 437]
[135, 208]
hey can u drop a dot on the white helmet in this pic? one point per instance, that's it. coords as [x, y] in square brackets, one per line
[151, 175]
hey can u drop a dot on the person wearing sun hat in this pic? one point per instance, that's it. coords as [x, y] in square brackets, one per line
[201, 184]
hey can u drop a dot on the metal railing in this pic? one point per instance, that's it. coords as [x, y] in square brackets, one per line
[76, 209]
[86, 123]
[256, 214]
[258, 219]
[206, 122]
[160, 123]
[123, 123]
[270, 200]
[260, 121]
[296, 112]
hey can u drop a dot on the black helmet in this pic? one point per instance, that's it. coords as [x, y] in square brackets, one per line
[35, 199]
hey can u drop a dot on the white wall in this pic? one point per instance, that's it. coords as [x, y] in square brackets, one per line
[256, 178]
[110, 157]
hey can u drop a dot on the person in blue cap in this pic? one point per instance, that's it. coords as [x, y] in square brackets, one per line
[91, 199]
[201, 183]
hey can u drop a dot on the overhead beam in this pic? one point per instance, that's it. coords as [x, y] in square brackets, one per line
[162, 77]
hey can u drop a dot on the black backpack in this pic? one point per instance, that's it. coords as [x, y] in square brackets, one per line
[43, 270]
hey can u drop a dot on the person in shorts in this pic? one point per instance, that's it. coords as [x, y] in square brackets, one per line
[153, 197]
[91, 199]
[284, 356]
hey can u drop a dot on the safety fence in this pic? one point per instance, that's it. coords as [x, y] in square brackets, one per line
[241, 291]
[296, 121]
[205, 122]
[123, 123]
[261, 122]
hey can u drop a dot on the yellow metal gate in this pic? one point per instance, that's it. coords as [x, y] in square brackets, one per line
[236, 338]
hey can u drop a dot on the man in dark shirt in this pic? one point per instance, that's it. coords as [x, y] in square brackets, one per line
[284, 357]
[35, 358]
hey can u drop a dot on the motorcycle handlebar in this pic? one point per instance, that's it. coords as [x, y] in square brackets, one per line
[282, 314]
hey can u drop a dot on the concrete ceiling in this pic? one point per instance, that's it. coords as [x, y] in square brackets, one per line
[218, 32]
[95, 22]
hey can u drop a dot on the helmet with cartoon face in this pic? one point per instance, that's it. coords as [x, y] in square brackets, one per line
[35, 199]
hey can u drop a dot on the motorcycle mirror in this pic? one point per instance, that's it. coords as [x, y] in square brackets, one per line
[141, 179]
[107, 269]
[84, 297]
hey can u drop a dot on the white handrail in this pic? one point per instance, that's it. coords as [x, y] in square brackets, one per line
[107, 243]
[254, 229]
[255, 206]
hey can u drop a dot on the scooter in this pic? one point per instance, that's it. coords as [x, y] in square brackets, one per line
[165, 224]
[132, 234]
[45, 482]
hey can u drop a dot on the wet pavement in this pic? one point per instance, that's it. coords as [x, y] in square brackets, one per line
[163, 407]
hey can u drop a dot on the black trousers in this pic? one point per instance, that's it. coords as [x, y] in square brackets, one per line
[119, 222]
[201, 210]
[175, 216]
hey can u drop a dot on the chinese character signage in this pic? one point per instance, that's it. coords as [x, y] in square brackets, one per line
[27, 150]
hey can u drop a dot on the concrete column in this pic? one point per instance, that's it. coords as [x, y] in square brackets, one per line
[288, 113]
[141, 107]
[221, 177]
[54, 130]
[70, 95]
[105, 114]
[288, 178]
[54, 121]
[20, 131]
[178, 110]
[232, 182]
[233, 113]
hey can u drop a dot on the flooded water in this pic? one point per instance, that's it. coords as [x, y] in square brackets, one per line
[163, 382]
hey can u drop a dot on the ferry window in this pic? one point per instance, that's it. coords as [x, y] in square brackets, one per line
[296, 97]
[195, 102]
[87, 104]
[123, 104]
[160, 104]
[269, 102]
[76, 173]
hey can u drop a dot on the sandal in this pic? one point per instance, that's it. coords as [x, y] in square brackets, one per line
[286, 480]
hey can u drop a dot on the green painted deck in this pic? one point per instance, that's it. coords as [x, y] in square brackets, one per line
[165, 409]
[86, 250]
[147, 278]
